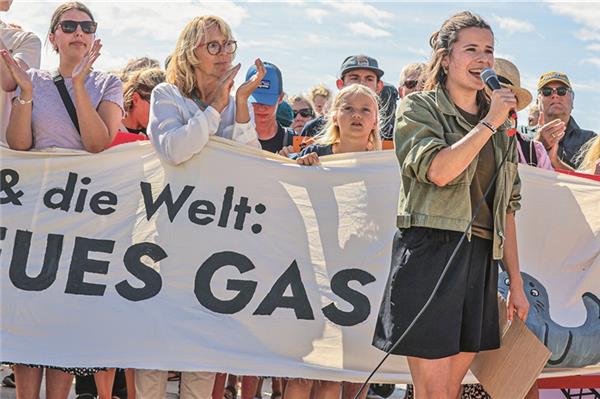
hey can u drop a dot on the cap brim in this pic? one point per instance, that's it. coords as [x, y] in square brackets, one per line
[263, 98]
[524, 97]
[377, 71]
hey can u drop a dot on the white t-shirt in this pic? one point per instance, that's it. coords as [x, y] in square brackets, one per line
[24, 46]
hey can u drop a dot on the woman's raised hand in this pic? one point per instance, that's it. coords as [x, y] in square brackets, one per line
[247, 88]
[21, 77]
[220, 98]
[83, 69]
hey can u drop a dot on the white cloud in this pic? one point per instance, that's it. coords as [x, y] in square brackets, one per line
[587, 14]
[593, 47]
[593, 61]
[587, 35]
[362, 29]
[422, 51]
[316, 14]
[513, 25]
[363, 10]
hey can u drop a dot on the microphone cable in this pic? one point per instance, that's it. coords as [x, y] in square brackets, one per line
[511, 145]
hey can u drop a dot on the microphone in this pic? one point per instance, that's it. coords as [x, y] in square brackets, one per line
[489, 77]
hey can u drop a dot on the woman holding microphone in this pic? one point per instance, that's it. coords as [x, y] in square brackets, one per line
[458, 176]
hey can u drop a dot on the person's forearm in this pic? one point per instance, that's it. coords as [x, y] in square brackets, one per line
[511, 253]
[18, 131]
[242, 114]
[94, 132]
[450, 162]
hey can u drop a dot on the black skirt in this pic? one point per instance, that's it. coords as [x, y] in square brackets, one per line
[463, 315]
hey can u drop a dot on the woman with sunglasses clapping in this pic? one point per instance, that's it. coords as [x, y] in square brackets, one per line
[40, 116]
[41, 119]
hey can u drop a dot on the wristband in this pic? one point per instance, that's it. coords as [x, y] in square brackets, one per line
[488, 125]
[24, 102]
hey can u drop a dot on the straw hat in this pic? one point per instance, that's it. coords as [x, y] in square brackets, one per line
[509, 77]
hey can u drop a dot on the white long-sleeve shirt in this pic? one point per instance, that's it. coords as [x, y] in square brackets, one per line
[179, 129]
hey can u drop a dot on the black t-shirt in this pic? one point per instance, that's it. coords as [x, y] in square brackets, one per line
[282, 138]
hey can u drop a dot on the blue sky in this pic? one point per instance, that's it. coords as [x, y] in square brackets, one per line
[308, 39]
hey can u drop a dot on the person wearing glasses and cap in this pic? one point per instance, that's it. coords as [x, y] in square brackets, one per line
[559, 133]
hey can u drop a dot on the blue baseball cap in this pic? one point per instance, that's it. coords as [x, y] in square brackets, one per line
[270, 87]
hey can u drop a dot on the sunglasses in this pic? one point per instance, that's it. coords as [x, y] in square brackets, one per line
[304, 112]
[548, 91]
[411, 84]
[71, 26]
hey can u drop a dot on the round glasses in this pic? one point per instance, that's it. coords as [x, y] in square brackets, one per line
[215, 48]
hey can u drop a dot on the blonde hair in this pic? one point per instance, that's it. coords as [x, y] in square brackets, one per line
[141, 82]
[180, 71]
[409, 69]
[441, 43]
[319, 90]
[331, 132]
[137, 64]
[589, 155]
[299, 97]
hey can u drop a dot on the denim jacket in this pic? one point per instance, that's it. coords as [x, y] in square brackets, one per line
[426, 123]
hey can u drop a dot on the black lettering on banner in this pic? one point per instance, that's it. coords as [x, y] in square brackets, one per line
[226, 209]
[66, 194]
[298, 301]
[6, 185]
[360, 302]
[103, 198]
[244, 288]
[81, 264]
[150, 277]
[201, 207]
[165, 197]
[18, 265]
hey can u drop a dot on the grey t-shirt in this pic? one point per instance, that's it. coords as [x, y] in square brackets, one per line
[50, 122]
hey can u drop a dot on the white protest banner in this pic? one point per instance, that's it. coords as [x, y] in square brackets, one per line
[234, 261]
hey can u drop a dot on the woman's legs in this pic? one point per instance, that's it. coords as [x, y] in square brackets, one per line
[28, 381]
[350, 389]
[104, 383]
[249, 384]
[328, 389]
[439, 378]
[298, 388]
[130, 383]
[219, 386]
[58, 384]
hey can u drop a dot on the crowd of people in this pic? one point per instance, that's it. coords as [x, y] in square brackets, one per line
[443, 133]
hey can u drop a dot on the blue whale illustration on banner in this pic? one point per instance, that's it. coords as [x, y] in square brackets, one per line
[571, 347]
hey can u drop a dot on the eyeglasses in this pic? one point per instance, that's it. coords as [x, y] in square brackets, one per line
[71, 26]
[548, 91]
[304, 112]
[215, 48]
[411, 84]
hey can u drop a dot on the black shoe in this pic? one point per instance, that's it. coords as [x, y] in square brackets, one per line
[9, 381]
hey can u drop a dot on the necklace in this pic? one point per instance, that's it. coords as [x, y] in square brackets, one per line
[201, 104]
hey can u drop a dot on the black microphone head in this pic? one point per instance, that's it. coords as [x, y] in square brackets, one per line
[490, 78]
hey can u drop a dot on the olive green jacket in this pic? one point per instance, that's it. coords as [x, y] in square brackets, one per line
[426, 123]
